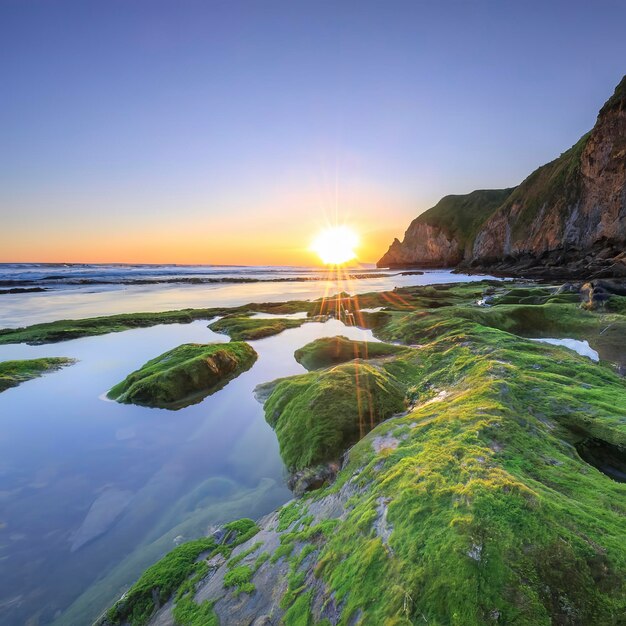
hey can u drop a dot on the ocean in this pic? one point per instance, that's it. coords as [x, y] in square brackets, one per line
[31, 293]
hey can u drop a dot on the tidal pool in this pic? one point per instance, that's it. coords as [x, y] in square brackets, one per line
[92, 491]
[582, 347]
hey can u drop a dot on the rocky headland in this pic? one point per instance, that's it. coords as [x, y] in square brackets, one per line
[567, 219]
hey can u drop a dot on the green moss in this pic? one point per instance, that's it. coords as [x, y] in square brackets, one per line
[188, 613]
[481, 510]
[616, 304]
[241, 328]
[12, 373]
[242, 555]
[177, 575]
[299, 613]
[243, 529]
[184, 375]
[491, 510]
[334, 350]
[316, 416]
[239, 577]
[160, 581]
[289, 514]
[63, 330]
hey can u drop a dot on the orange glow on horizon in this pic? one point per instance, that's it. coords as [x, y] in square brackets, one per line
[252, 246]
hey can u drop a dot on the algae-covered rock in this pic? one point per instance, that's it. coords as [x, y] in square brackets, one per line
[184, 375]
[244, 328]
[497, 498]
[12, 373]
[318, 415]
[334, 350]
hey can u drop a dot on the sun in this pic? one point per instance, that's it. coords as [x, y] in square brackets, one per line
[335, 245]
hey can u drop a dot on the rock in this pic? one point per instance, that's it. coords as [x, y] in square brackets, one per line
[184, 375]
[318, 415]
[329, 351]
[312, 478]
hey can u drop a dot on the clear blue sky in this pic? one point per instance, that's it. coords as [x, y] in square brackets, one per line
[181, 130]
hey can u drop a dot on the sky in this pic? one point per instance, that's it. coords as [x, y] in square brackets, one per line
[232, 132]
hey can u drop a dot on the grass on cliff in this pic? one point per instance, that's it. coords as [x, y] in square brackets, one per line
[329, 351]
[556, 184]
[12, 373]
[462, 215]
[184, 375]
[242, 328]
[316, 416]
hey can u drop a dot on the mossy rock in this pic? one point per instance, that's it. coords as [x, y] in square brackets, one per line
[497, 498]
[318, 415]
[329, 351]
[184, 375]
[243, 328]
[175, 576]
[12, 373]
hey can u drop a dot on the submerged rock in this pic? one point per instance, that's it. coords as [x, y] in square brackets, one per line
[13, 373]
[184, 375]
[102, 514]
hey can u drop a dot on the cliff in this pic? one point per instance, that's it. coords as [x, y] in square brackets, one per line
[443, 236]
[568, 216]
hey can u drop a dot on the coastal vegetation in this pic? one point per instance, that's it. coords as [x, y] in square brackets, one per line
[496, 497]
[461, 216]
[329, 351]
[12, 373]
[184, 375]
[63, 330]
[318, 415]
[245, 328]
[177, 573]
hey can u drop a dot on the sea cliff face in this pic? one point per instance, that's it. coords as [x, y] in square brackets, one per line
[568, 216]
[424, 245]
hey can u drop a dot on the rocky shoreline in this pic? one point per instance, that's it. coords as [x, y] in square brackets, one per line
[493, 495]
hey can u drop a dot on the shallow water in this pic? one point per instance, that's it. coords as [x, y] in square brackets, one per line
[92, 491]
[92, 300]
[582, 347]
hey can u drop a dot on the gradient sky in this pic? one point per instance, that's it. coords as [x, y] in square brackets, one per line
[230, 132]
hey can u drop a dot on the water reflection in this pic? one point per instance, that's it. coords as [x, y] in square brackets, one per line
[92, 491]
